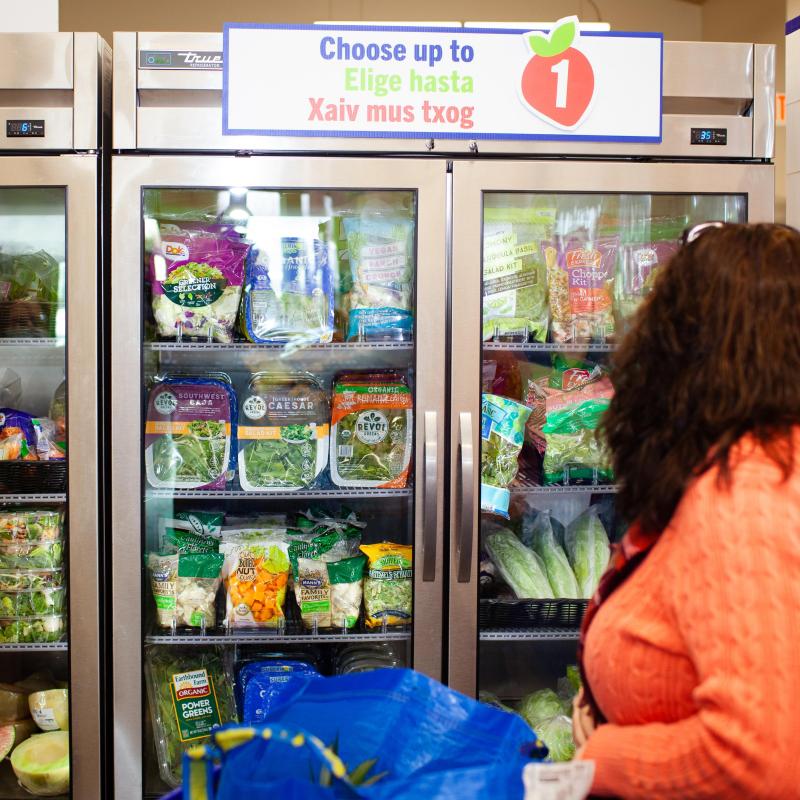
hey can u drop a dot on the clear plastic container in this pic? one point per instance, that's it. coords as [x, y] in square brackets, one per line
[24, 525]
[33, 555]
[15, 580]
[32, 602]
[14, 630]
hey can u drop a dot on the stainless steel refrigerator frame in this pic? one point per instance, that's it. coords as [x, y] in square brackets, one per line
[64, 78]
[130, 175]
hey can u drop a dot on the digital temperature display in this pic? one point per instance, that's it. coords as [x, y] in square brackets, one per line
[709, 136]
[18, 128]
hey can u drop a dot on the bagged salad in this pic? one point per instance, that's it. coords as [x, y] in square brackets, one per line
[381, 252]
[190, 433]
[389, 584]
[189, 692]
[372, 430]
[256, 574]
[261, 684]
[288, 292]
[514, 273]
[283, 432]
[190, 532]
[196, 276]
[33, 525]
[185, 588]
[640, 264]
[31, 290]
[502, 434]
[17, 436]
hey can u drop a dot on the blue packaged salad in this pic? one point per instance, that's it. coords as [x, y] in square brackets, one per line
[261, 683]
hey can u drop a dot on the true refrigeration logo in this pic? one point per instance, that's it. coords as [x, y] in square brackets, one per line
[181, 59]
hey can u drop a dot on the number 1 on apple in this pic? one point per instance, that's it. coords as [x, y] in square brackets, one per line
[562, 71]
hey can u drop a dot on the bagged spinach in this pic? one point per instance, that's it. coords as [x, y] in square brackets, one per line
[288, 292]
[372, 430]
[283, 433]
[502, 433]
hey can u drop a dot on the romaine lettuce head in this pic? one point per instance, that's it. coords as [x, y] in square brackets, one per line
[540, 706]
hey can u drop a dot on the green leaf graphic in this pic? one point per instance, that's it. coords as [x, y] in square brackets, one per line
[562, 37]
[539, 44]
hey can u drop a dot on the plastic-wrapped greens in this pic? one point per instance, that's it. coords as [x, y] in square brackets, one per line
[520, 567]
[588, 550]
[559, 572]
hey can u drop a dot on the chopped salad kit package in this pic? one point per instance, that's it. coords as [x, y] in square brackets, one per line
[372, 430]
[283, 433]
[389, 585]
[24, 437]
[196, 279]
[288, 292]
[190, 433]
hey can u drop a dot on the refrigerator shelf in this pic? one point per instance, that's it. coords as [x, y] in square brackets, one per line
[52, 497]
[276, 638]
[302, 494]
[32, 341]
[34, 647]
[550, 347]
[529, 635]
[249, 347]
[524, 485]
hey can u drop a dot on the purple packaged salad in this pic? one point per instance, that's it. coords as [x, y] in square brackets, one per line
[197, 274]
[190, 433]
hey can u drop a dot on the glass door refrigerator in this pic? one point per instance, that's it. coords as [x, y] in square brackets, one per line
[53, 97]
[551, 260]
[278, 387]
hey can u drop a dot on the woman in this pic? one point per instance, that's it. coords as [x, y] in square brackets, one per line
[691, 647]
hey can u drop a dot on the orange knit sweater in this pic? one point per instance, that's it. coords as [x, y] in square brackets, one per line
[694, 660]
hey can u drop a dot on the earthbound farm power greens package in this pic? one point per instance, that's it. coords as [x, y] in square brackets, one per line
[372, 430]
[382, 264]
[514, 273]
[283, 434]
[502, 434]
[196, 277]
[190, 433]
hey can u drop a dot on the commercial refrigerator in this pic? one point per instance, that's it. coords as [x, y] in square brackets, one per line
[343, 208]
[54, 98]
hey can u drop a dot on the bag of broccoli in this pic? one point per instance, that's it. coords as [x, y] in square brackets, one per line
[588, 549]
[514, 273]
[502, 433]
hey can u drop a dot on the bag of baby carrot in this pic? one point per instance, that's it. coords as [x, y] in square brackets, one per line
[256, 573]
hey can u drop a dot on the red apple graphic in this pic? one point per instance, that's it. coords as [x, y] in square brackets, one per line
[558, 82]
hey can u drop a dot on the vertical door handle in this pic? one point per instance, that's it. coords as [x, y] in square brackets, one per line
[429, 497]
[465, 500]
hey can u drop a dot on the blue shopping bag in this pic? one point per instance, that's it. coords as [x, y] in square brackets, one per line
[396, 733]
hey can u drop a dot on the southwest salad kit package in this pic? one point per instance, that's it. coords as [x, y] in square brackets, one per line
[381, 252]
[372, 428]
[580, 279]
[283, 433]
[196, 276]
[514, 273]
[288, 292]
[190, 433]
[502, 435]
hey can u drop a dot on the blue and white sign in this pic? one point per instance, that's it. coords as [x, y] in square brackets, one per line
[442, 83]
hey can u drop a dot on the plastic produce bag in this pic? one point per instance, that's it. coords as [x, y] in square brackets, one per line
[588, 549]
[559, 572]
[398, 735]
[519, 566]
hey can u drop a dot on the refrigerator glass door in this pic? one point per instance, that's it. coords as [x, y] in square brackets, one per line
[49, 618]
[287, 420]
[550, 271]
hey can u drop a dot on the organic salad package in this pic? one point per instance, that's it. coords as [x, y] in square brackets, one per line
[372, 430]
[190, 433]
[514, 273]
[196, 275]
[288, 292]
[283, 432]
[381, 252]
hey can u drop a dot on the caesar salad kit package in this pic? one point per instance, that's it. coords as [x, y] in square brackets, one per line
[256, 575]
[372, 430]
[514, 273]
[389, 584]
[288, 292]
[196, 277]
[190, 433]
[185, 588]
[580, 279]
[283, 433]
[502, 435]
[381, 252]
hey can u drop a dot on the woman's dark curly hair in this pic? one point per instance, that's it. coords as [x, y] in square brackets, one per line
[712, 354]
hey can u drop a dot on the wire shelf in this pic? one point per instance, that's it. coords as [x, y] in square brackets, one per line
[551, 347]
[249, 347]
[524, 484]
[270, 637]
[34, 647]
[529, 635]
[32, 341]
[301, 494]
[54, 497]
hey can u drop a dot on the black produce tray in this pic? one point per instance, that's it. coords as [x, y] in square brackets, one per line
[33, 477]
[531, 613]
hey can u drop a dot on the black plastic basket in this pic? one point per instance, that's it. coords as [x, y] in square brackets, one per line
[531, 613]
[33, 477]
